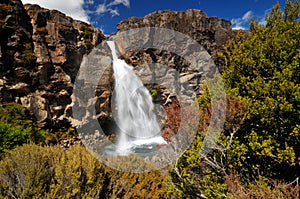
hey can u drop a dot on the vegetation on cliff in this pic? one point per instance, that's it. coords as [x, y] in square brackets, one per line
[17, 128]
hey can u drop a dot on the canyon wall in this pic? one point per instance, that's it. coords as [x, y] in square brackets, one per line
[41, 51]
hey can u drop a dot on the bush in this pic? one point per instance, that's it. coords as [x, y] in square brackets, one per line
[32, 171]
[12, 136]
[260, 138]
[28, 55]
[263, 71]
[261, 188]
[16, 128]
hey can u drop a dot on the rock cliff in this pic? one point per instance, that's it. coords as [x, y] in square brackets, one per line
[41, 51]
[211, 32]
[40, 56]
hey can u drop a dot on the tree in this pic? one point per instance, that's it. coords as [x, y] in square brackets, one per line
[264, 71]
[260, 142]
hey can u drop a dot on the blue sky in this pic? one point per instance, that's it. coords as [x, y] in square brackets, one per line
[106, 14]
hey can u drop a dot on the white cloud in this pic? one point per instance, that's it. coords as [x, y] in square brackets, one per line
[101, 9]
[247, 15]
[117, 2]
[262, 22]
[72, 8]
[262, 19]
[114, 12]
[239, 23]
[111, 7]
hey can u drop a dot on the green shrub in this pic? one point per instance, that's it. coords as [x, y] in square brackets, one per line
[263, 71]
[28, 55]
[260, 139]
[12, 136]
[32, 171]
[16, 128]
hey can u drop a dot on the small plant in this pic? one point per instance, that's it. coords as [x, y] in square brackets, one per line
[28, 56]
[154, 93]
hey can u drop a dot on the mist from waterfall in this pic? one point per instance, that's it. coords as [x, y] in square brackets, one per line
[133, 109]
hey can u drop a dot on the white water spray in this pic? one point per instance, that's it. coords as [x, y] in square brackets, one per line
[135, 115]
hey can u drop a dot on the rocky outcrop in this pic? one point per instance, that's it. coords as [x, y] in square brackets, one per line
[175, 71]
[210, 32]
[40, 56]
[41, 51]
[16, 43]
[59, 45]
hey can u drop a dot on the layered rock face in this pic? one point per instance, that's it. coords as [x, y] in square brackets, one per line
[40, 56]
[16, 46]
[59, 45]
[42, 50]
[210, 32]
[182, 72]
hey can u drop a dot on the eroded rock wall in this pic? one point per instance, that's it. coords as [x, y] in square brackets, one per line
[179, 77]
[41, 52]
[210, 32]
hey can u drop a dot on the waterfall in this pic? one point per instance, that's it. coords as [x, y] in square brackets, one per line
[134, 110]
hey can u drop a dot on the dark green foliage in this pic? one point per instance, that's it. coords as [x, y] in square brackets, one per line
[16, 128]
[264, 71]
[12, 136]
[260, 140]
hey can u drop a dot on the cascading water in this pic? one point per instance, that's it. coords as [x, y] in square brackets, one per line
[134, 114]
